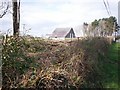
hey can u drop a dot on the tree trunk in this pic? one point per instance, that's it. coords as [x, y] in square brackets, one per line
[16, 17]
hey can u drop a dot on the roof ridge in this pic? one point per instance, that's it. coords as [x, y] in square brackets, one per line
[61, 32]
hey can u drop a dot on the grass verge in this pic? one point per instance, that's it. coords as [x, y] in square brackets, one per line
[110, 68]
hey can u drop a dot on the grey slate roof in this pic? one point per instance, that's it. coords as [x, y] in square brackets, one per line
[60, 32]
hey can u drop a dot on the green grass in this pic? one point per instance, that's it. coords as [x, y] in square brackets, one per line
[113, 51]
[110, 67]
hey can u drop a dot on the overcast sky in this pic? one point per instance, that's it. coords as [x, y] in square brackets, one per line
[43, 16]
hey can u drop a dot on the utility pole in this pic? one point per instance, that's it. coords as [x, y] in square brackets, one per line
[114, 30]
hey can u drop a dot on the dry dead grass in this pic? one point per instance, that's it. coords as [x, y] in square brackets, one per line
[70, 64]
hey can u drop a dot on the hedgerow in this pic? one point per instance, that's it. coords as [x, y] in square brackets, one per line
[52, 65]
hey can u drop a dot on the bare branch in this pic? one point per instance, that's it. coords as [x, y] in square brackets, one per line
[2, 5]
[5, 11]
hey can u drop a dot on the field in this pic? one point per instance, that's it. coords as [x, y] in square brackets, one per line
[38, 63]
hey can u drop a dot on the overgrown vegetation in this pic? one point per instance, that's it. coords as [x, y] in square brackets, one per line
[14, 59]
[36, 63]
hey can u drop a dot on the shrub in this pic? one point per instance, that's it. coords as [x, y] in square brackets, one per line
[72, 66]
[14, 59]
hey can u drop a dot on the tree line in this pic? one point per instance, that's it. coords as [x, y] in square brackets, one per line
[101, 27]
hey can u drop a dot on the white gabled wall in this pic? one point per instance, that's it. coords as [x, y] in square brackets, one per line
[79, 31]
[58, 38]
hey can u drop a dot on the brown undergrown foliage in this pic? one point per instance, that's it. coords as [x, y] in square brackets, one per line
[14, 61]
[91, 48]
[61, 66]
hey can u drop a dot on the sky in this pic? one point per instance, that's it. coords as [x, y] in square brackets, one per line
[41, 17]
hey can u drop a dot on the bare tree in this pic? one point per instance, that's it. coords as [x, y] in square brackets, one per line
[85, 27]
[16, 17]
[4, 6]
